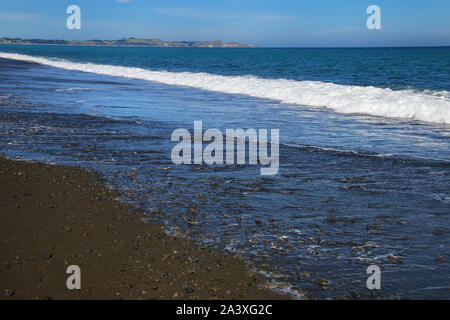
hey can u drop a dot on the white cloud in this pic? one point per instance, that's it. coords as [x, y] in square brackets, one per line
[123, 1]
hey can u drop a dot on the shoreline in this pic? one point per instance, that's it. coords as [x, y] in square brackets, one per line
[53, 216]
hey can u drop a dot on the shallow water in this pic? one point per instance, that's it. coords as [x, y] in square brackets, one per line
[386, 180]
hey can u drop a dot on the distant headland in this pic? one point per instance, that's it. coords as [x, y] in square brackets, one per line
[131, 42]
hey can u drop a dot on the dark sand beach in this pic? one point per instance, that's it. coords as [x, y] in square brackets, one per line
[53, 216]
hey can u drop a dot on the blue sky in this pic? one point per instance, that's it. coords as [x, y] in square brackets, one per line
[316, 23]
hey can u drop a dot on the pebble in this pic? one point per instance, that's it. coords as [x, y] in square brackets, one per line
[189, 289]
[47, 255]
[9, 292]
[322, 282]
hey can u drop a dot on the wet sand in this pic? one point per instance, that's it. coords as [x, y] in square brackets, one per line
[54, 216]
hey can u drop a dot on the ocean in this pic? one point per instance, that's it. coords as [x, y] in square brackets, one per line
[364, 173]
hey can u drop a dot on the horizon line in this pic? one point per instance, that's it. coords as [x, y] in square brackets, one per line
[252, 46]
[255, 46]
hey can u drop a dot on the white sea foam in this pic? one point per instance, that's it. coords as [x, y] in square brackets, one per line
[366, 154]
[408, 104]
[73, 89]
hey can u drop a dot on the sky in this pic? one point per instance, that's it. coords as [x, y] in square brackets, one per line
[267, 23]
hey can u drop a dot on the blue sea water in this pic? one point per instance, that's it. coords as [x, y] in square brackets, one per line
[395, 68]
[364, 138]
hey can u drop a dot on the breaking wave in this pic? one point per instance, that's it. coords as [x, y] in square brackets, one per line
[407, 104]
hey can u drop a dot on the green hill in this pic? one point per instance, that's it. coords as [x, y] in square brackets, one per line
[141, 42]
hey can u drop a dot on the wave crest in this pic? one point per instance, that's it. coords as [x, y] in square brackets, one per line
[407, 104]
